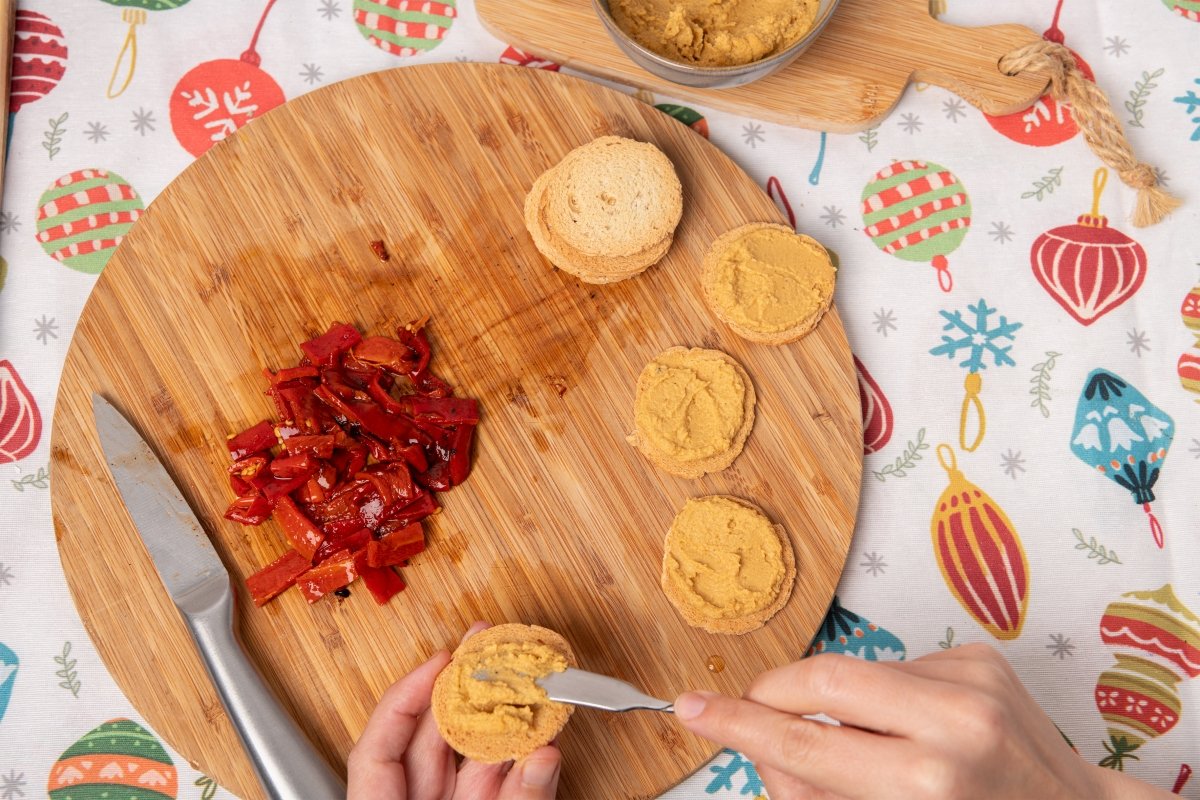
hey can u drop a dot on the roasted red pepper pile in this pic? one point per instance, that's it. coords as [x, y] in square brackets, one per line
[367, 435]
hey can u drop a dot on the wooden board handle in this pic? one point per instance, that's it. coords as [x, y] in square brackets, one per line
[973, 73]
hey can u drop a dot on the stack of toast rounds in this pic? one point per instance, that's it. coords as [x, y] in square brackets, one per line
[605, 213]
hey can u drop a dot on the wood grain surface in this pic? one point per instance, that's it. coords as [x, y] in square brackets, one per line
[265, 240]
[849, 79]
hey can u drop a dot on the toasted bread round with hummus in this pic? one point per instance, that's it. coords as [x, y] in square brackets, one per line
[508, 716]
[768, 283]
[726, 567]
[692, 411]
[607, 211]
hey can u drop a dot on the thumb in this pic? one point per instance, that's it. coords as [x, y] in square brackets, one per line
[534, 778]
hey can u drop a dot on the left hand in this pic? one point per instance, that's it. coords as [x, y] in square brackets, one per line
[402, 756]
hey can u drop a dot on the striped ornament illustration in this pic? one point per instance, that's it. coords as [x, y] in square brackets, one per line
[404, 27]
[20, 420]
[876, 411]
[1189, 363]
[979, 553]
[1156, 642]
[83, 216]
[119, 759]
[1188, 9]
[39, 58]
[917, 211]
[1088, 268]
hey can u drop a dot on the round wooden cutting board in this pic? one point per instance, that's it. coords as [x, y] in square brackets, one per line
[264, 241]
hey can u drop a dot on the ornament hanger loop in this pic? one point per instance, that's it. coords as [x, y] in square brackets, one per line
[946, 457]
[944, 278]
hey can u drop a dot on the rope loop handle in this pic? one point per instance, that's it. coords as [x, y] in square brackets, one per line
[1095, 118]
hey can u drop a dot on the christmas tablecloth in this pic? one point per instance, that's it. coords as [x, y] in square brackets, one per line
[1060, 371]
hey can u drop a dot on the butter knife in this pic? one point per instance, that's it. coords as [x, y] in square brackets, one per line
[582, 688]
[287, 764]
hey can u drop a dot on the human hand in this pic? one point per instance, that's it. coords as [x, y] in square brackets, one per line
[950, 725]
[401, 755]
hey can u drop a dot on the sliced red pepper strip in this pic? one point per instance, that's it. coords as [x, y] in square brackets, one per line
[443, 410]
[399, 517]
[329, 575]
[318, 445]
[382, 582]
[385, 353]
[303, 534]
[354, 541]
[249, 510]
[324, 349]
[396, 547]
[253, 440]
[245, 470]
[271, 581]
[291, 374]
[318, 486]
[413, 337]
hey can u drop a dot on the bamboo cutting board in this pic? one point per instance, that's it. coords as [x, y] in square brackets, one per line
[849, 79]
[265, 240]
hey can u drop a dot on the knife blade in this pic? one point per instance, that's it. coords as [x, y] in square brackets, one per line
[286, 763]
[582, 688]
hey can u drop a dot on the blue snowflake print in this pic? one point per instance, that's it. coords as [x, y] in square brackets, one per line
[978, 339]
[1192, 101]
[727, 772]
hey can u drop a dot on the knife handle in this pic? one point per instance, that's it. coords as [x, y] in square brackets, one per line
[287, 764]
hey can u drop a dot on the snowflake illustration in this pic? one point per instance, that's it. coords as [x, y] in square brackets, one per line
[1192, 101]
[885, 320]
[833, 216]
[329, 9]
[1000, 232]
[45, 329]
[873, 564]
[954, 108]
[1060, 646]
[1116, 46]
[9, 222]
[725, 773]
[978, 338]
[6, 575]
[1161, 176]
[143, 120]
[910, 123]
[11, 785]
[96, 131]
[1195, 448]
[311, 74]
[752, 134]
[1012, 464]
[1137, 341]
[221, 113]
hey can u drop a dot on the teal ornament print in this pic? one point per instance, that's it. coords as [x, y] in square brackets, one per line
[8, 676]
[852, 634]
[738, 768]
[1124, 437]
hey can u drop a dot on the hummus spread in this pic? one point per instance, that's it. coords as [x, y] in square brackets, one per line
[509, 701]
[771, 280]
[723, 560]
[691, 404]
[715, 33]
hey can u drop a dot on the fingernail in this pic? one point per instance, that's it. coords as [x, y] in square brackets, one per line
[540, 773]
[691, 704]
[475, 628]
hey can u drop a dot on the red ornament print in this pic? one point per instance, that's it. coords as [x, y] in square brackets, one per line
[776, 193]
[1046, 122]
[519, 58]
[876, 411]
[39, 58]
[217, 97]
[1089, 268]
[20, 420]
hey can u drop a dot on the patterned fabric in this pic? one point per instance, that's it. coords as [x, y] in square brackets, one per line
[1005, 316]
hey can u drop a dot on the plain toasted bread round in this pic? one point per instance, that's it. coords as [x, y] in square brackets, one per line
[549, 717]
[709, 276]
[607, 210]
[699, 467]
[749, 622]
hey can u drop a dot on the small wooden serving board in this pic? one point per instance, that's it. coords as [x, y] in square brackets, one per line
[849, 79]
[265, 240]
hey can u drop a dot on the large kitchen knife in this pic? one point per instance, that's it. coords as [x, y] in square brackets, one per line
[286, 762]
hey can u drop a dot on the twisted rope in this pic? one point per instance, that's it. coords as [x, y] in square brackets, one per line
[1094, 116]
